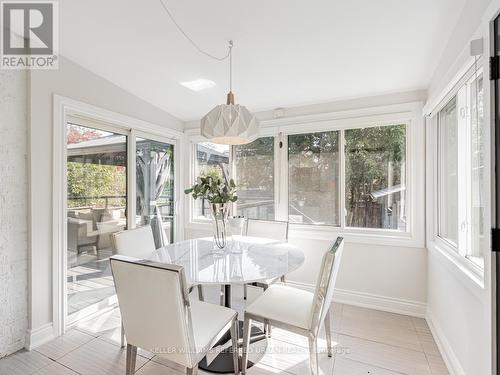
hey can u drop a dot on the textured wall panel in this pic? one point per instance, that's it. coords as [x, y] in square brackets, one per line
[13, 212]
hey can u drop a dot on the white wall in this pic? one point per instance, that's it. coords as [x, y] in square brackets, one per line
[13, 211]
[459, 313]
[74, 82]
[380, 274]
[457, 50]
[459, 308]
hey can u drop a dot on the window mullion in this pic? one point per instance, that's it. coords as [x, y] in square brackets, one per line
[232, 174]
[342, 180]
[463, 198]
[131, 179]
[193, 173]
[467, 170]
[281, 173]
[277, 177]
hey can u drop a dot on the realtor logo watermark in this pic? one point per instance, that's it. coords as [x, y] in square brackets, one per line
[30, 35]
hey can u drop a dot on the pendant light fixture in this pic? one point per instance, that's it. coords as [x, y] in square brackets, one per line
[230, 123]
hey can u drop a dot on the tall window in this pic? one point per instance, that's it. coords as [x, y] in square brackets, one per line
[448, 172]
[254, 164]
[211, 160]
[375, 163]
[313, 169]
[460, 165]
[478, 184]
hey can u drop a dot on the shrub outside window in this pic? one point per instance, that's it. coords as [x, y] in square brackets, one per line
[313, 182]
[375, 164]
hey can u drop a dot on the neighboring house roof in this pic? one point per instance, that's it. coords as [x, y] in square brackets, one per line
[213, 154]
[102, 145]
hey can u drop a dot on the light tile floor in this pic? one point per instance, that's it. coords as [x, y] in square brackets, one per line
[366, 341]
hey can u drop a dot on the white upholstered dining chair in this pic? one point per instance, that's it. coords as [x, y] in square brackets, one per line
[297, 310]
[274, 230]
[158, 315]
[137, 243]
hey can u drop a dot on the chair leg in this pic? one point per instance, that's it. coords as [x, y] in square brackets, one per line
[192, 371]
[234, 339]
[131, 357]
[267, 329]
[122, 342]
[328, 330]
[267, 326]
[200, 293]
[222, 295]
[313, 356]
[246, 344]
[245, 291]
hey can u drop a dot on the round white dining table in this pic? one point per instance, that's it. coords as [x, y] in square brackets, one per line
[244, 260]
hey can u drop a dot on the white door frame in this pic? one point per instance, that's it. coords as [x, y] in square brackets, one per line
[63, 108]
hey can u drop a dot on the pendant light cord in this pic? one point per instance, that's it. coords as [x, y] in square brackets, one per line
[230, 66]
[193, 43]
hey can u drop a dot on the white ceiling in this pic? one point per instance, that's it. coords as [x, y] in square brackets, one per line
[287, 52]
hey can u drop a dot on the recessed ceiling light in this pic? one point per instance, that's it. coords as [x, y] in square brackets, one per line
[198, 84]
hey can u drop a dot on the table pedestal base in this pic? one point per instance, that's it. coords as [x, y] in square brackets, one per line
[223, 363]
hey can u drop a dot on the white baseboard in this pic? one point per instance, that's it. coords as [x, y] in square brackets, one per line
[296, 284]
[39, 336]
[373, 301]
[378, 302]
[449, 357]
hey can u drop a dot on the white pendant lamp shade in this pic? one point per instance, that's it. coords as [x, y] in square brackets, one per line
[230, 124]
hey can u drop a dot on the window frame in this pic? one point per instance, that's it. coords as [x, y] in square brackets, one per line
[284, 167]
[342, 228]
[408, 114]
[233, 171]
[460, 253]
[464, 167]
[193, 174]
[439, 176]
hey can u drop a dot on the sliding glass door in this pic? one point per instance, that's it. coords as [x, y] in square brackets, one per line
[96, 208]
[111, 172]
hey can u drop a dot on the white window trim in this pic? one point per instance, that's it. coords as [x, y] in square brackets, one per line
[447, 251]
[455, 257]
[406, 113]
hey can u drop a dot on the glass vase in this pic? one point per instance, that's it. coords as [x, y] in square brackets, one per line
[220, 213]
